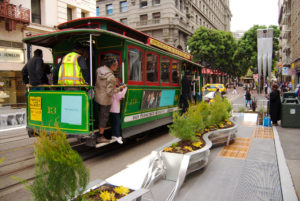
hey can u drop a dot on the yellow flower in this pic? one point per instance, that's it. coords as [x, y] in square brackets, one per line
[188, 148]
[229, 122]
[197, 144]
[168, 149]
[206, 130]
[221, 125]
[199, 134]
[121, 190]
[106, 196]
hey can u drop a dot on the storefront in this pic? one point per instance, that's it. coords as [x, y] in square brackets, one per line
[12, 89]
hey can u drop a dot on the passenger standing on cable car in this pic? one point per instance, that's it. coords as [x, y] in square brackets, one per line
[105, 88]
[64, 72]
[185, 92]
[33, 72]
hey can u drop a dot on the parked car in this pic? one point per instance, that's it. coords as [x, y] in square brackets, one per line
[213, 87]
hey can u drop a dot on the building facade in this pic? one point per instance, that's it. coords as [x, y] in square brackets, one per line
[171, 21]
[21, 18]
[289, 23]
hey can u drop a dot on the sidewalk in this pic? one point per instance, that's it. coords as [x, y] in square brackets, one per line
[252, 168]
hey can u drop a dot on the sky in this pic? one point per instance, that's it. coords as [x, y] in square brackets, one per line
[246, 13]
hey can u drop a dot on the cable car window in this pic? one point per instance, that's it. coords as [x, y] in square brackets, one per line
[152, 67]
[135, 63]
[175, 72]
[165, 70]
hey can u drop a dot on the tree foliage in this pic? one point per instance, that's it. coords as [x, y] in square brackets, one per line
[219, 50]
[59, 170]
[246, 53]
[213, 48]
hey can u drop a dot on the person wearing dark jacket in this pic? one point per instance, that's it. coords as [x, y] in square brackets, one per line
[248, 97]
[33, 72]
[185, 93]
[275, 104]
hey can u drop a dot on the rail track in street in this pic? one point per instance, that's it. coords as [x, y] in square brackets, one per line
[18, 152]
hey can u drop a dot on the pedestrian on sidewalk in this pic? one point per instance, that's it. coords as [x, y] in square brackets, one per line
[248, 97]
[115, 114]
[234, 90]
[275, 104]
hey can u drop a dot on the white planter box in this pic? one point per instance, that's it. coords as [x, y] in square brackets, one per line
[175, 166]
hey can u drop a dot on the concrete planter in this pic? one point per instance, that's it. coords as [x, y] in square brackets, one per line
[175, 163]
[175, 167]
[133, 196]
[223, 136]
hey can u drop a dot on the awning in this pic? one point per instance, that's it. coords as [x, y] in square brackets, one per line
[209, 71]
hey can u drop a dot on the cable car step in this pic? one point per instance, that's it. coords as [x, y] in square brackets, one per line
[101, 144]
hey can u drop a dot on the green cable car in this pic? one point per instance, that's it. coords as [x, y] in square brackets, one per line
[151, 69]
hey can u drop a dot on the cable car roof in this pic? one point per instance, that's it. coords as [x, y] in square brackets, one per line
[53, 38]
[106, 24]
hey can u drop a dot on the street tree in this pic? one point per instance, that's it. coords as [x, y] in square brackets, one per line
[245, 56]
[213, 49]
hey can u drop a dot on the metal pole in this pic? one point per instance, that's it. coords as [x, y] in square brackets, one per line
[29, 47]
[91, 60]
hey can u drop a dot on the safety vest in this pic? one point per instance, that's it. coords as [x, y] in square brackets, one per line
[69, 71]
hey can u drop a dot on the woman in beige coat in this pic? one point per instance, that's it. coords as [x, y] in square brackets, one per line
[105, 88]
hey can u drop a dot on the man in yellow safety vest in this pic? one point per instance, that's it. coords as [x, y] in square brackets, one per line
[73, 69]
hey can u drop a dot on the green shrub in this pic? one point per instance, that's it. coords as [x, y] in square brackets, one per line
[182, 127]
[175, 144]
[59, 170]
[242, 109]
[219, 110]
[204, 109]
[193, 114]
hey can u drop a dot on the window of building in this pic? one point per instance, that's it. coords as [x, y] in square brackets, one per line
[152, 67]
[124, 21]
[143, 19]
[123, 6]
[175, 72]
[36, 11]
[143, 3]
[156, 17]
[181, 4]
[176, 3]
[83, 14]
[165, 70]
[109, 9]
[155, 2]
[97, 11]
[69, 14]
[135, 65]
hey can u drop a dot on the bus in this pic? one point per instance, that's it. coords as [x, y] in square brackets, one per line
[151, 69]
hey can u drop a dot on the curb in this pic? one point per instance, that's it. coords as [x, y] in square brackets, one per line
[287, 186]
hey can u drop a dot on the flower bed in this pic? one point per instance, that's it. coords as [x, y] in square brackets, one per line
[99, 190]
[105, 192]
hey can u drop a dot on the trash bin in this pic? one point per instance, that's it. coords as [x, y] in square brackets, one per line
[289, 94]
[290, 113]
